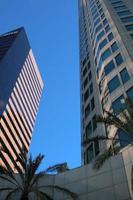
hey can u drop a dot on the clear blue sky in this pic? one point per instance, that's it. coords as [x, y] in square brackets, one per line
[52, 28]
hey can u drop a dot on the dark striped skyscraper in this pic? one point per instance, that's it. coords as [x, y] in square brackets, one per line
[20, 91]
[106, 68]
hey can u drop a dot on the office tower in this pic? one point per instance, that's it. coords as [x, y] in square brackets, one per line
[106, 67]
[20, 91]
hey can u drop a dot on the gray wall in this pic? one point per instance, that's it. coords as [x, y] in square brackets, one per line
[111, 182]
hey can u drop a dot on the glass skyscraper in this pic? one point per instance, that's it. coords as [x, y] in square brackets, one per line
[106, 66]
[20, 91]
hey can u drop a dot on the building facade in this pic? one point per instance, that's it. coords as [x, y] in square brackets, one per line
[20, 91]
[106, 66]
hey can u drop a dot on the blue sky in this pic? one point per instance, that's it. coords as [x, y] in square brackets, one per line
[52, 28]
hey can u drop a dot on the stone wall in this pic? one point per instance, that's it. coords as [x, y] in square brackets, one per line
[111, 182]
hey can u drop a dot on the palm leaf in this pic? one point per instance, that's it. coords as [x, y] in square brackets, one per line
[37, 177]
[8, 179]
[42, 195]
[8, 197]
[70, 193]
[101, 159]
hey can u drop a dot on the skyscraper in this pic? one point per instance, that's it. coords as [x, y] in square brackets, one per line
[20, 91]
[106, 66]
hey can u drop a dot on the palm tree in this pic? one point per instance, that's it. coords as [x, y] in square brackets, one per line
[58, 168]
[124, 122]
[28, 179]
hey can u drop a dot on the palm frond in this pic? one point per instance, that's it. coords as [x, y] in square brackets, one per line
[37, 177]
[70, 193]
[101, 159]
[42, 195]
[32, 167]
[8, 197]
[4, 177]
[61, 167]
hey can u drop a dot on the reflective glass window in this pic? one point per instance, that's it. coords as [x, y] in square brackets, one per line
[117, 3]
[100, 35]
[120, 7]
[86, 95]
[127, 19]
[110, 36]
[98, 28]
[109, 67]
[87, 111]
[92, 104]
[119, 59]
[118, 105]
[114, 47]
[130, 94]
[103, 43]
[88, 129]
[105, 54]
[94, 122]
[90, 153]
[105, 22]
[103, 15]
[124, 13]
[129, 27]
[107, 28]
[124, 75]
[113, 84]
[91, 88]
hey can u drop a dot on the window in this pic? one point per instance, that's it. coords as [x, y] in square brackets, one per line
[98, 28]
[85, 71]
[129, 27]
[90, 76]
[120, 8]
[105, 22]
[110, 36]
[100, 35]
[91, 88]
[87, 110]
[117, 3]
[86, 95]
[119, 59]
[123, 137]
[89, 65]
[85, 82]
[105, 54]
[92, 104]
[96, 146]
[88, 129]
[127, 19]
[114, 47]
[109, 67]
[123, 13]
[107, 28]
[124, 75]
[113, 84]
[90, 153]
[131, 36]
[103, 15]
[130, 94]
[103, 43]
[118, 105]
[94, 122]
[96, 22]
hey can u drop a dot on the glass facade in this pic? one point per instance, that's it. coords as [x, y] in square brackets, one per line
[21, 86]
[110, 64]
